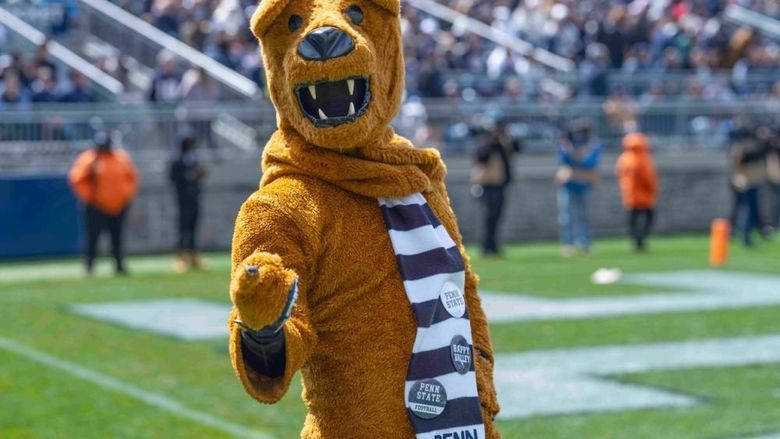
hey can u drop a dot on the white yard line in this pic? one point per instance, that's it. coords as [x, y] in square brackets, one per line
[705, 290]
[152, 399]
[74, 269]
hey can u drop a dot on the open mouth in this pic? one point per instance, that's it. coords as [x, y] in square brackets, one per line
[329, 104]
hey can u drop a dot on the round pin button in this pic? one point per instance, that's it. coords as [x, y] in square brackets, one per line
[453, 300]
[427, 399]
[461, 354]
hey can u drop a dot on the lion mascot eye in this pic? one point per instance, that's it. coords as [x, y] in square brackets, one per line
[355, 14]
[295, 23]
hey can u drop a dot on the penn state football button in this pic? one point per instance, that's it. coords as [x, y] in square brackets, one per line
[460, 351]
[453, 300]
[427, 399]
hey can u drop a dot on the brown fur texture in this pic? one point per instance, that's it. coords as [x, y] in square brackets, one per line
[316, 216]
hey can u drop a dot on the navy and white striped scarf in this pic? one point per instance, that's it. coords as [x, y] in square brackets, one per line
[441, 387]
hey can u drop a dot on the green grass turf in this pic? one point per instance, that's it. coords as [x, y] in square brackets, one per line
[40, 402]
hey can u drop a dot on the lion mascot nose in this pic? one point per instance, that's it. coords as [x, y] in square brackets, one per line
[325, 43]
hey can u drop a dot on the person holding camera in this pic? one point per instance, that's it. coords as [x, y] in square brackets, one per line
[492, 174]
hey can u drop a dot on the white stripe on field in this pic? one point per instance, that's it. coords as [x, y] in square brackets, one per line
[420, 240]
[440, 335]
[149, 398]
[408, 201]
[455, 384]
[463, 432]
[429, 288]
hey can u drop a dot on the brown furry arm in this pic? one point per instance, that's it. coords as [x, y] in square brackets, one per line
[271, 238]
[483, 348]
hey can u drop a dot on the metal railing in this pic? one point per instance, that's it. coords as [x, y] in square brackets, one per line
[142, 41]
[767, 25]
[49, 136]
[25, 36]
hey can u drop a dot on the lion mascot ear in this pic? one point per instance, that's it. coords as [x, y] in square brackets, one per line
[265, 14]
[269, 10]
[392, 6]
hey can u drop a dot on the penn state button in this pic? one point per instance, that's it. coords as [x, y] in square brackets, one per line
[453, 300]
[427, 399]
[461, 354]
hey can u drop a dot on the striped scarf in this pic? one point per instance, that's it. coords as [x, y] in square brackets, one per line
[441, 388]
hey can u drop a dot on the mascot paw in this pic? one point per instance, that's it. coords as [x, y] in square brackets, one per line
[263, 291]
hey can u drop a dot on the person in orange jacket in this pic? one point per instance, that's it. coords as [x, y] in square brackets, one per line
[638, 186]
[106, 181]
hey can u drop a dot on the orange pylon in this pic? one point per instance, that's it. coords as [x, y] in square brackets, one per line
[719, 242]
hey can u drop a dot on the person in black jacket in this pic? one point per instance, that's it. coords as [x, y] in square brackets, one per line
[492, 174]
[187, 175]
[748, 154]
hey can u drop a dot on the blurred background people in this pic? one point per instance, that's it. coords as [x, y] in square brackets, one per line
[187, 175]
[492, 173]
[773, 171]
[638, 186]
[748, 156]
[167, 80]
[106, 181]
[579, 155]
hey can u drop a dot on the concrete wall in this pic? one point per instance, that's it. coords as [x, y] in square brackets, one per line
[694, 191]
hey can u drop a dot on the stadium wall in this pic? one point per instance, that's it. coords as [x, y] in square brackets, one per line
[694, 190]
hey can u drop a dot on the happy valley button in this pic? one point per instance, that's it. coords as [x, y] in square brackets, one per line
[427, 399]
[460, 352]
[453, 300]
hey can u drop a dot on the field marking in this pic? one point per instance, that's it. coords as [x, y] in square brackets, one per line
[183, 319]
[707, 290]
[703, 290]
[74, 269]
[571, 381]
[152, 399]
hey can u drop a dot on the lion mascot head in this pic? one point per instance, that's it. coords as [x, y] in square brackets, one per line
[335, 68]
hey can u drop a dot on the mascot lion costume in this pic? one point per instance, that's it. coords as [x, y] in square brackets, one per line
[347, 262]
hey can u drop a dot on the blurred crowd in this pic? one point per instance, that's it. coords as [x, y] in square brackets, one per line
[218, 28]
[36, 78]
[605, 39]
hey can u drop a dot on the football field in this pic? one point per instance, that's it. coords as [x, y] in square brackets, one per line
[673, 349]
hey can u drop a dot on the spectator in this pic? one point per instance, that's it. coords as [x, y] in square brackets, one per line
[773, 169]
[12, 94]
[167, 80]
[78, 91]
[492, 173]
[44, 88]
[167, 18]
[621, 112]
[579, 156]
[106, 181]
[196, 89]
[638, 186]
[748, 156]
[772, 139]
[187, 175]
[43, 59]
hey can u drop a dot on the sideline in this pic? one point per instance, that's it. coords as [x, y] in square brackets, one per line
[153, 399]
